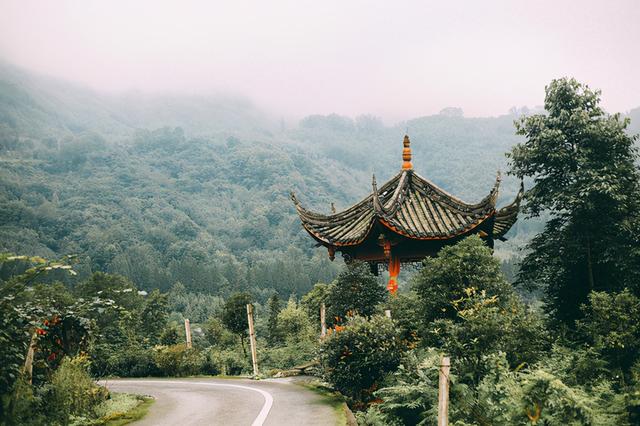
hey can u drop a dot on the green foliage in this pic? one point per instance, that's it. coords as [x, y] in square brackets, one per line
[274, 307]
[294, 325]
[313, 300]
[169, 335]
[406, 309]
[537, 396]
[124, 360]
[46, 317]
[178, 360]
[234, 316]
[356, 291]
[503, 396]
[611, 326]
[487, 325]
[412, 398]
[217, 335]
[294, 353]
[198, 307]
[154, 316]
[73, 391]
[584, 171]
[456, 268]
[357, 356]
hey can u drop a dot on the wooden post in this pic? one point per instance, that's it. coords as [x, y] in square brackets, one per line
[28, 363]
[252, 340]
[443, 392]
[187, 331]
[387, 313]
[323, 321]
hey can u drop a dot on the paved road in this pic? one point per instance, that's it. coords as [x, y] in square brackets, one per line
[229, 402]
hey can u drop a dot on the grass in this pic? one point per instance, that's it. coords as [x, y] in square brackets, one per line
[123, 408]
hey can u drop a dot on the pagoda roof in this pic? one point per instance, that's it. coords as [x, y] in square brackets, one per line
[412, 206]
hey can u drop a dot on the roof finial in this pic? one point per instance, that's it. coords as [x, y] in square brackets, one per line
[406, 154]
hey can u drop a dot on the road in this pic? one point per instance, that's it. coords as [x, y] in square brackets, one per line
[229, 402]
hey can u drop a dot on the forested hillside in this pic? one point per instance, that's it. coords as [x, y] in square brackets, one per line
[164, 189]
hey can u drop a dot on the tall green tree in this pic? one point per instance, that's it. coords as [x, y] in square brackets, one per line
[582, 164]
[234, 316]
[356, 292]
[274, 306]
[154, 315]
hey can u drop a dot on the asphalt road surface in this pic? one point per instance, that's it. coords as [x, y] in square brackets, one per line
[229, 402]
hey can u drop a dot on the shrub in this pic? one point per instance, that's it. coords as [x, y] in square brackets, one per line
[356, 357]
[286, 357]
[226, 362]
[412, 396]
[73, 391]
[178, 360]
[125, 361]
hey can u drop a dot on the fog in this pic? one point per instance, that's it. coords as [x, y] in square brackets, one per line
[392, 59]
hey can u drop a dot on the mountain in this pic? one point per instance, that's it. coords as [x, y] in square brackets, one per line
[195, 189]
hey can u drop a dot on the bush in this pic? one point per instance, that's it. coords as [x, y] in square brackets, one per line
[356, 357]
[287, 357]
[226, 362]
[178, 360]
[413, 395]
[126, 361]
[73, 393]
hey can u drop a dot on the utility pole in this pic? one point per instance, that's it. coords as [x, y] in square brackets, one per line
[323, 321]
[187, 332]
[443, 392]
[252, 340]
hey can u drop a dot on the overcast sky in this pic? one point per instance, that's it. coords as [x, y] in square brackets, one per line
[394, 59]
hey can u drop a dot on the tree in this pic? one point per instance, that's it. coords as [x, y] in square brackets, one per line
[611, 325]
[446, 277]
[356, 292]
[294, 324]
[313, 300]
[234, 316]
[154, 316]
[274, 307]
[582, 163]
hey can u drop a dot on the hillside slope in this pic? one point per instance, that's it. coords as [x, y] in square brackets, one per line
[166, 189]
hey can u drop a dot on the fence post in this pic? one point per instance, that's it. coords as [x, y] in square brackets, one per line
[252, 340]
[187, 332]
[443, 392]
[323, 321]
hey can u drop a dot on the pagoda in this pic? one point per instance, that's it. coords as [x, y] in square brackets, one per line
[407, 219]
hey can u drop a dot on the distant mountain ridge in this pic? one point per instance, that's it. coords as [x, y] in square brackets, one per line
[193, 189]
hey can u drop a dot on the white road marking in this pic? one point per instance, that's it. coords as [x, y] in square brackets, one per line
[262, 415]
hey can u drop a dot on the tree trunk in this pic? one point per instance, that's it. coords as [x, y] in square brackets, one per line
[589, 266]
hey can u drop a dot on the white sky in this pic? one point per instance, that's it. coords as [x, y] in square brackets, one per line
[394, 59]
